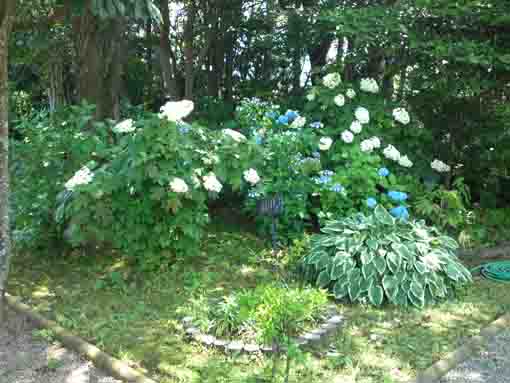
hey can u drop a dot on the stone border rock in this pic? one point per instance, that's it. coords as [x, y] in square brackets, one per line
[435, 372]
[309, 339]
[112, 366]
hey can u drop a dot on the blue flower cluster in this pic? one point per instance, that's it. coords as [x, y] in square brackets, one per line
[254, 194]
[337, 188]
[184, 128]
[316, 125]
[259, 140]
[284, 119]
[383, 172]
[397, 196]
[400, 212]
[316, 155]
[371, 202]
[325, 177]
[272, 115]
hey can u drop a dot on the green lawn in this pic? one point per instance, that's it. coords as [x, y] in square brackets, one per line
[135, 316]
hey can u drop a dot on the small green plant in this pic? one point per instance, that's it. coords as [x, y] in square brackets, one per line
[378, 258]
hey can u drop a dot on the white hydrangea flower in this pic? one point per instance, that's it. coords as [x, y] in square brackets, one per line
[401, 115]
[369, 85]
[351, 93]
[432, 262]
[332, 80]
[440, 166]
[235, 135]
[391, 153]
[362, 115]
[82, 177]
[356, 127]
[366, 146]
[376, 142]
[347, 136]
[339, 100]
[310, 96]
[325, 143]
[298, 122]
[176, 110]
[211, 183]
[125, 126]
[405, 162]
[178, 185]
[251, 176]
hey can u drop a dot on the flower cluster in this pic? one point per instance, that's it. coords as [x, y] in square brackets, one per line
[371, 202]
[362, 115]
[400, 212]
[125, 126]
[383, 172]
[391, 153]
[176, 110]
[251, 176]
[82, 177]
[325, 143]
[397, 196]
[401, 115]
[370, 144]
[369, 85]
[177, 185]
[440, 166]
[347, 136]
[339, 100]
[405, 162]
[432, 261]
[211, 183]
[299, 122]
[350, 93]
[356, 127]
[332, 80]
[235, 135]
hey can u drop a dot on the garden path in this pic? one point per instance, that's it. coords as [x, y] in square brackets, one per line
[491, 366]
[25, 359]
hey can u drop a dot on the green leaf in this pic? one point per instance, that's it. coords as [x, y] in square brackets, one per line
[390, 284]
[382, 215]
[366, 284]
[368, 270]
[323, 279]
[420, 267]
[393, 261]
[372, 244]
[380, 264]
[417, 290]
[366, 256]
[341, 289]
[375, 295]
[354, 288]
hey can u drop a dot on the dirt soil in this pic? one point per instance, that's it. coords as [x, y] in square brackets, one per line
[28, 359]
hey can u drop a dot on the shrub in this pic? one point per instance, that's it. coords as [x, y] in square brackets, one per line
[378, 258]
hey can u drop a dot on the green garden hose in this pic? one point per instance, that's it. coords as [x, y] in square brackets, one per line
[495, 271]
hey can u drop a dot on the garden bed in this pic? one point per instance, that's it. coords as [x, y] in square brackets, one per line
[136, 317]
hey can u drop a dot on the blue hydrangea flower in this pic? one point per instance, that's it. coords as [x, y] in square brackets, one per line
[316, 125]
[184, 128]
[371, 202]
[272, 115]
[400, 212]
[327, 173]
[283, 120]
[253, 194]
[337, 188]
[258, 139]
[291, 115]
[316, 155]
[383, 172]
[397, 196]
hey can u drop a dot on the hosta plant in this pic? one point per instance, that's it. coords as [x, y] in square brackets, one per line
[379, 259]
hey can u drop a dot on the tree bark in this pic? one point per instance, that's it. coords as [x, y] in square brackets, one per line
[188, 53]
[7, 8]
[56, 90]
[167, 60]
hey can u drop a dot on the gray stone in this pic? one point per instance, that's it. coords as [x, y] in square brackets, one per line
[335, 319]
[192, 331]
[208, 340]
[318, 331]
[266, 349]
[235, 346]
[187, 321]
[220, 343]
[312, 338]
[251, 348]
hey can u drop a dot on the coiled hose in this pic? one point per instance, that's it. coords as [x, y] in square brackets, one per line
[496, 271]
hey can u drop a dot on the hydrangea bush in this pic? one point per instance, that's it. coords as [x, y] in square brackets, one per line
[377, 258]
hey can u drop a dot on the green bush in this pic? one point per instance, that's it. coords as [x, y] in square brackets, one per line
[378, 259]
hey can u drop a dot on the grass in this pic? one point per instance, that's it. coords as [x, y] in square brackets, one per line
[135, 316]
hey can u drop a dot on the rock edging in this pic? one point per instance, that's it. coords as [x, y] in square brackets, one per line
[309, 339]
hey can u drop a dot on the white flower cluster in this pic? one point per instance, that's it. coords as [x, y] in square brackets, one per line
[401, 115]
[176, 110]
[405, 162]
[332, 80]
[350, 93]
[432, 262]
[356, 127]
[178, 185]
[125, 126]
[362, 115]
[440, 166]
[347, 136]
[211, 183]
[235, 135]
[298, 122]
[370, 144]
[369, 85]
[251, 176]
[339, 100]
[82, 177]
[325, 143]
[391, 153]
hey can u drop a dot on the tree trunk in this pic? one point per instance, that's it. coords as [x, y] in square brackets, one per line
[167, 61]
[188, 53]
[56, 90]
[6, 19]
[99, 47]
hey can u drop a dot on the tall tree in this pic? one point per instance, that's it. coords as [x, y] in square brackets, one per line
[6, 18]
